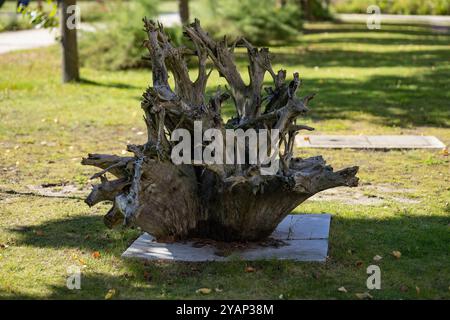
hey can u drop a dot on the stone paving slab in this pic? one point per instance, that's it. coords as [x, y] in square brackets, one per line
[369, 142]
[306, 238]
[303, 227]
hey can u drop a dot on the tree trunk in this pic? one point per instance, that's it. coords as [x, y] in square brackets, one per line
[183, 6]
[281, 3]
[236, 201]
[70, 65]
[305, 6]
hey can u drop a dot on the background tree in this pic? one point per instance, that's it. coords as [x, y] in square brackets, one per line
[69, 44]
[183, 7]
[68, 28]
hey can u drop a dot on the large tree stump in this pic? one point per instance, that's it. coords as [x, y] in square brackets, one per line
[226, 202]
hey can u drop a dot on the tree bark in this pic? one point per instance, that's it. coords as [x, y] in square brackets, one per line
[183, 7]
[226, 202]
[69, 45]
[281, 3]
[305, 6]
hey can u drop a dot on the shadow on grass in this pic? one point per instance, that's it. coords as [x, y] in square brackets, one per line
[403, 29]
[394, 100]
[422, 241]
[116, 85]
[360, 59]
[83, 232]
[389, 41]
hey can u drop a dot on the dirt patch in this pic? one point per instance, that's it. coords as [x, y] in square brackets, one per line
[56, 190]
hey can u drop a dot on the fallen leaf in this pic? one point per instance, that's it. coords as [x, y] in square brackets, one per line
[417, 290]
[359, 263]
[82, 261]
[203, 291]
[396, 254]
[445, 152]
[364, 296]
[250, 269]
[342, 289]
[96, 255]
[377, 258]
[280, 296]
[39, 232]
[218, 290]
[306, 139]
[110, 294]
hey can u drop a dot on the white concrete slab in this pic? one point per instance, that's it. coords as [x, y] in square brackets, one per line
[297, 250]
[306, 238]
[303, 227]
[400, 142]
[369, 142]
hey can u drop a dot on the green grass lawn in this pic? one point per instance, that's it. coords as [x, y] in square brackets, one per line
[393, 81]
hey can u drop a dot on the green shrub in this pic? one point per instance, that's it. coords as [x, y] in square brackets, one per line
[260, 21]
[318, 10]
[118, 44]
[13, 23]
[92, 11]
[321, 10]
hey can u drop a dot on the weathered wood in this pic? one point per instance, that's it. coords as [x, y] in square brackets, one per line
[106, 191]
[115, 165]
[228, 202]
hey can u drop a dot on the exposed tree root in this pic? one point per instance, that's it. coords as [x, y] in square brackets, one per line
[225, 202]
